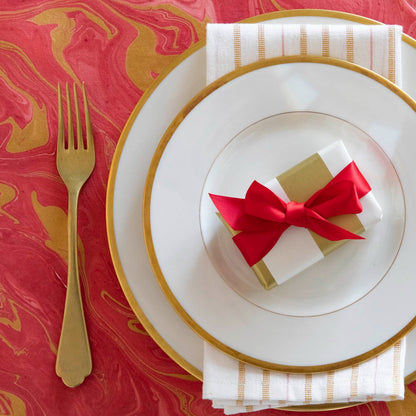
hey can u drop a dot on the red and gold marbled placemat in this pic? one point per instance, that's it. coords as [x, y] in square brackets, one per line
[100, 42]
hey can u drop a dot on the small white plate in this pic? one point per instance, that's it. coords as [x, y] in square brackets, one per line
[266, 149]
[246, 100]
[147, 123]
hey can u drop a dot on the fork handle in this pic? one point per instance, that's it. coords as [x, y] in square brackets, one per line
[73, 361]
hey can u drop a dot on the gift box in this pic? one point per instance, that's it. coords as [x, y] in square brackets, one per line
[323, 202]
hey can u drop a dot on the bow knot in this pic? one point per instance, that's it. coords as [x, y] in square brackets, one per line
[262, 217]
[296, 214]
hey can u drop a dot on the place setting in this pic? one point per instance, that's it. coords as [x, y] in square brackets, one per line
[260, 227]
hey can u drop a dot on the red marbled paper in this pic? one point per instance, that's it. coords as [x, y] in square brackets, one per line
[100, 42]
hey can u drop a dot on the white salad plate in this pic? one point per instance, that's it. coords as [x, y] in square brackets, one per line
[268, 148]
[138, 143]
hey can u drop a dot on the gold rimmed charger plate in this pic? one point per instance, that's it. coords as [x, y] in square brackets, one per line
[187, 361]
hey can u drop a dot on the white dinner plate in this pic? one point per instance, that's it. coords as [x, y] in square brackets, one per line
[137, 144]
[230, 120]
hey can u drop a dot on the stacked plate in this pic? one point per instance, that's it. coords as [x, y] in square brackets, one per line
[187, 283]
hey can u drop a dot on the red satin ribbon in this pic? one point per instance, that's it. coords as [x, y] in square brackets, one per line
[262, 217]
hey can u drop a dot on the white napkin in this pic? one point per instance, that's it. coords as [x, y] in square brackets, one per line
[230, 384]
[230, 46]
[237, 387]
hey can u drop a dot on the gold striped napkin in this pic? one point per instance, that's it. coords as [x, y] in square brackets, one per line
[237, 387]
[230, 46]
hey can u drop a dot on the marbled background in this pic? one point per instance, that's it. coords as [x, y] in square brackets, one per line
[118, 47]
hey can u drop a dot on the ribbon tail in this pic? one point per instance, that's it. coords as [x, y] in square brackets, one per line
[255, 245]
[231, 209]
[330, 231]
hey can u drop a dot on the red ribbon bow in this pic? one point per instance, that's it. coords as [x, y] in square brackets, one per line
[262, 217]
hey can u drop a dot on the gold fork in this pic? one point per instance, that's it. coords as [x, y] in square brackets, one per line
[75, 162]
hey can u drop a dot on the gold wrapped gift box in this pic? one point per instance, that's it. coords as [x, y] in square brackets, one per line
[299, 183]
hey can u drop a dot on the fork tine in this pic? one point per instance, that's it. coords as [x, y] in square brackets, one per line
[61, 139]
[70, 127]
[88, 128]
[78, 117]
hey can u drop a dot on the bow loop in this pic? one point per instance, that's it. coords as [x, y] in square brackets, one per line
[342, 195]
[261, 202]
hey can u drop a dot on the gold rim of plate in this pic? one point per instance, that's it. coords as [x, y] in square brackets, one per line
[112, 178]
